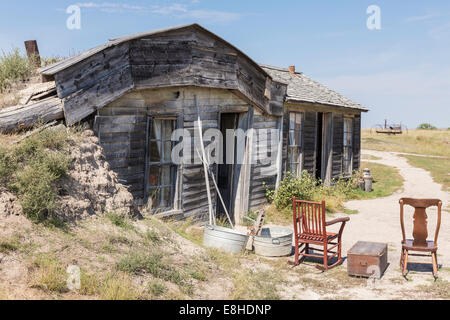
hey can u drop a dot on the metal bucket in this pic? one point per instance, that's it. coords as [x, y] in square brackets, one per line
[224, 238]
[274, 242]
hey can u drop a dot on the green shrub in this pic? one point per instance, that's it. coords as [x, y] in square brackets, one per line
[119, 220]
[40, 161]
[426, 126]
[308, 188]
[303, 187]
[14, 67]
[7, 166]
[37, 195]
[157, 288]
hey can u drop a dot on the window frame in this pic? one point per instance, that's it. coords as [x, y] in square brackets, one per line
[162, 163]
[347, 153]
[295, 134]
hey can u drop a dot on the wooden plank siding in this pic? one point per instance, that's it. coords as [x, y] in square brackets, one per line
[338, 145]
[121, 127]
[309, 138]
[184, 57]
[263, 174]
[122, 138]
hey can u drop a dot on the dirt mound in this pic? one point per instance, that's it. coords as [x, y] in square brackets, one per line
[9, 204]
[91, 187]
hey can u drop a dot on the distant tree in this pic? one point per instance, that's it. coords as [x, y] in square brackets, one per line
[426, 126]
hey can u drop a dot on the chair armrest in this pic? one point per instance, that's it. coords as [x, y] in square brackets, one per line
[344, 219]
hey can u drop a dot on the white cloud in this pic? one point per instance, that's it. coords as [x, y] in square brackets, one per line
[213, 16]
[175, 10]
[422, 17]
[110, 7]
[183, 11]
[172, 9]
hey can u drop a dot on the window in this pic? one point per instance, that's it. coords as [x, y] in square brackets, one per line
[162, 172]
[348, 145]
[295, 143]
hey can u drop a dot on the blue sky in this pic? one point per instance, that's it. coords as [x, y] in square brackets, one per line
[401, 72]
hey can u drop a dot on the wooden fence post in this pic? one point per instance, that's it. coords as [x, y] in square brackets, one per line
[33, 53]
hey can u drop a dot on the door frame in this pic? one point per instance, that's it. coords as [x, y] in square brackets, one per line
[327, 147]
[240, 177]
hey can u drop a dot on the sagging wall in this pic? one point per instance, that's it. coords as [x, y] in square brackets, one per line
[122, 125]
[310, 139]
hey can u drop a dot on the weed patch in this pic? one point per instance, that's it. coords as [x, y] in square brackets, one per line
[119, 220]
[49, 275]
[8, 246]
[31, 171]
[14, 67]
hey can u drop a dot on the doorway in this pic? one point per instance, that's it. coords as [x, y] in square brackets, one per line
[324, 146]
[225, 171]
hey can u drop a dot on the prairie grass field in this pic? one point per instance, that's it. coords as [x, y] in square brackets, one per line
[425, 142]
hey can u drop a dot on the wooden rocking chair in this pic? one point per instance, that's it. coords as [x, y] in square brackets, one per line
[310, 228]
[420, 233]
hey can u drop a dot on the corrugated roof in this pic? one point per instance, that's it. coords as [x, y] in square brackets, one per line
[303, 89]
[59, 66]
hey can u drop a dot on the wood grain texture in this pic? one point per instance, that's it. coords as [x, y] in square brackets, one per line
[24, 117]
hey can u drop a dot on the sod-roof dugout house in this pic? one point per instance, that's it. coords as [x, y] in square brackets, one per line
[137, 90]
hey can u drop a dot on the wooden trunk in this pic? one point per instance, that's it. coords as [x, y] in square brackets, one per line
[367, 259]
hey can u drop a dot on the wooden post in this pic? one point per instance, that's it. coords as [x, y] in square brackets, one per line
[205, 167]
[33, 53]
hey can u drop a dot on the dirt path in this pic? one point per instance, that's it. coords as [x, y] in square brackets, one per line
[378, 219]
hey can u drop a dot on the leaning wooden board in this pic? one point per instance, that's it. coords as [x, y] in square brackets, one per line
[367, 259]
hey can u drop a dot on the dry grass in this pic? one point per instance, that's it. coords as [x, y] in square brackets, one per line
[427, 142]
[439, 168]
[369, 157]
[256, 285]
[49, 274]
[438, 289]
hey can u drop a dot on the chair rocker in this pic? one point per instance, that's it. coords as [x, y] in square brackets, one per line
[310, 228]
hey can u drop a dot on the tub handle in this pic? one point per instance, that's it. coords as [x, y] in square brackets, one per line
[275, 241]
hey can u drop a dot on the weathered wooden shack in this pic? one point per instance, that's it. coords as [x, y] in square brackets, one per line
[138, 89]
[321, 128]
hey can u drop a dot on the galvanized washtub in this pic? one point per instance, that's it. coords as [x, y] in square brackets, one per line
[273, 242]
[224, 238]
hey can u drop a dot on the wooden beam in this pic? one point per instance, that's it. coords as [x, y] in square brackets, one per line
[24, 117]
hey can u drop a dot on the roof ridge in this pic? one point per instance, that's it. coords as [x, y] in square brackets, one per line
[277, 68]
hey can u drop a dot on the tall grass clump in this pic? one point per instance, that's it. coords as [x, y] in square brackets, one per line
[49, 274]
[14, 67]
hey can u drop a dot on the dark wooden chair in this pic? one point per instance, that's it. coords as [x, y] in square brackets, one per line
[310, 228]
[419, 243]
